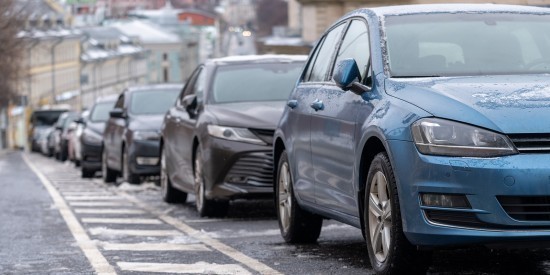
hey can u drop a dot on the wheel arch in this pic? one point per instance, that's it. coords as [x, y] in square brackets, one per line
[278, 148]
[372, 147]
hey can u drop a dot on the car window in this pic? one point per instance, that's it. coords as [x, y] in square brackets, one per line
[255, 82]
[152, 102]
[312, 60]
[189, 87]
[100, 111]
[120, 102]
[356, 45]
[442, 45]
[324, 57]
[200, 85]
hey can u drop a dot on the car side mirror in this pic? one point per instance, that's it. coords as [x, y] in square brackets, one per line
[117, 113]
[346, 74]
[189, 103]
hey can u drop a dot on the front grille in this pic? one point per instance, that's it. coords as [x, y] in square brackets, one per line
[455, 218]
[253, 169]
[526, 208]
[265, 135]
[531, 143]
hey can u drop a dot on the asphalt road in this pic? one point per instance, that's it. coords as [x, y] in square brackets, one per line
[53, 222]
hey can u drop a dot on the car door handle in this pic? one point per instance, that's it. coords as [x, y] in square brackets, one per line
[293, 103]
[317, 105]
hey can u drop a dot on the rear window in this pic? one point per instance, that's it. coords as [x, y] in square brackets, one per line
[100, 112]
[152, 102]
[255, 82]
[46, 118]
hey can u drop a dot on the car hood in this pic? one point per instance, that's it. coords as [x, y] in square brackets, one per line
[259, 115]
[508, 104]
[97, 127]
[146, 122]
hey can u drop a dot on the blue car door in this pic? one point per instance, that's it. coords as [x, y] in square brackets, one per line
[333, 127]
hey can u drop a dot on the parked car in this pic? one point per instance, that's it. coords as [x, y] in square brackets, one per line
[132, 134]
[418, 124]
[91, 139]
[45, 141]
[75, 147]
[62, 133]
[40, 121]
[216, 140]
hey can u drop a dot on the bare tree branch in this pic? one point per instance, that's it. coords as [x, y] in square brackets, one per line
[12, 48]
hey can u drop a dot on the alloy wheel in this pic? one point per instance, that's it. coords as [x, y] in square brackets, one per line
[284, 197]
[199, 184]
[380, 220]
[163, 175]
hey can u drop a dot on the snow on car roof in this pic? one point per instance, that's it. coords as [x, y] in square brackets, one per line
[456, 8]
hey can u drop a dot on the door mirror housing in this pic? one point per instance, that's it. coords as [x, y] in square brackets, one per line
[348, 77]
[117, 113]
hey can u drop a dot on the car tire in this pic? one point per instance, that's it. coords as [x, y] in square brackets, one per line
[389, 250]
[296, 225]
[169, 193]
[206, 207]
[77, 163]
[86, 173]
[128, 176]
[108, 174]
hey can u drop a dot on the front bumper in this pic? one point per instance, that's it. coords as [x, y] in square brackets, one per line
[148, 150]
[235, 170]
[91, 156]
[499, 190]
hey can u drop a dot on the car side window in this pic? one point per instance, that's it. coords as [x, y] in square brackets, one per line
[312, 60]
[120, 102]
[200, 84]
[356, 45]
[324, 57]
[189, 86]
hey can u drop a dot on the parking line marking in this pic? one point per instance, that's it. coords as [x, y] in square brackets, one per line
[96, 259]
[121, 221]
[196, 268]
[85, 193]
[204, 238]
[91, 198]
[134, 232]
[107, 211]
[100, 203]
[154, 247]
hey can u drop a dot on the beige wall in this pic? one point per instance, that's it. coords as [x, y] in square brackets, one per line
[318, 15]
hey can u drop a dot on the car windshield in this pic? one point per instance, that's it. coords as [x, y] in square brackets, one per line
[459, 44]
[100, 113]
[255, 82]
[152, 102]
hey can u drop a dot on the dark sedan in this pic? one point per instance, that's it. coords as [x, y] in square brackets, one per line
[91, 139]
[216, 140]
[132, 134]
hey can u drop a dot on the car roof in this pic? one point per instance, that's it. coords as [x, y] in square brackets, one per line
[164, 86]
[265, 58]
[107, 98]
[454, 8]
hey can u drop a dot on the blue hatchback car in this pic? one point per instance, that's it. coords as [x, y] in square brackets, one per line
[425, 126]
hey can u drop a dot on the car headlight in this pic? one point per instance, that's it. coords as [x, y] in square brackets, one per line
[146, 135]
[91, 137]
[235, 134]
[434, 136]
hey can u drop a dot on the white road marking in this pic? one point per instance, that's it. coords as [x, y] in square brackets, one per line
[154, 247]
[133, 232]
[196, 268]
[100, 203]
[204, 238]
[91, 198]
[107, 211]
[85, 193]
[96, 259]
[121, 221]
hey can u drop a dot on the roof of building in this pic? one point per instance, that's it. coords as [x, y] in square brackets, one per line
[107, 42]
[149, 33]
[38, 8]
